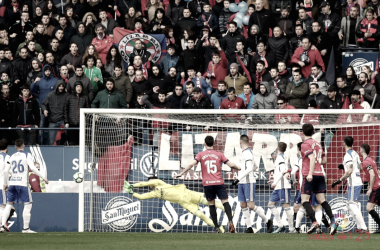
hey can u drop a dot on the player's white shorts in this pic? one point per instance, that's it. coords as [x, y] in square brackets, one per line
[246, 192]
[280, 196]
[19, 194]
[354, 196]
[3, 197]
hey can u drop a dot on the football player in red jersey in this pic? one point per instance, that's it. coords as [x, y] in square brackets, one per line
[212, 179]
[369, 167]
[313, 179]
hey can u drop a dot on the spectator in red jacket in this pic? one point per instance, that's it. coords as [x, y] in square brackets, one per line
[232, 102]
[217, 68]
[282, 103]
[306, 57]
[102, 42]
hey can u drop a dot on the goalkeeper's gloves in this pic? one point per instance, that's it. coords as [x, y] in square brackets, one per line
[335, 183]
[235, 182]
[341, 166]
[127, 186]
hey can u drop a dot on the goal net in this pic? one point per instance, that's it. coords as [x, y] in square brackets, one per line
[132, 145]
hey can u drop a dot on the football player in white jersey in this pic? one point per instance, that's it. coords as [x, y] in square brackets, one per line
[352, 164]
[282, 186]
[18, 190]
[247, 187]
[4, 161]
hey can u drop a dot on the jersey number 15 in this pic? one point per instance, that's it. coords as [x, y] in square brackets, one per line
[211, 166]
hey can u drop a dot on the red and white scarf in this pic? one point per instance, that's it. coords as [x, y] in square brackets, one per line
[259, 78]
[170, 40]
[206, 21]
[139, 31]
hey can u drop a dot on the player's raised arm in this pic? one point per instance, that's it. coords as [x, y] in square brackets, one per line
[192, 164]
[232, 165]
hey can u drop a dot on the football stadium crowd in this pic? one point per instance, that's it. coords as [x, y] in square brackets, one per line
[57, 57]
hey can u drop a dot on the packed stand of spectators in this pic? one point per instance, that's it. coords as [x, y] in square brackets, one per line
[57, 57]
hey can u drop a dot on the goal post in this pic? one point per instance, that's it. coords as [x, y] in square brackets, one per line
[134, 144]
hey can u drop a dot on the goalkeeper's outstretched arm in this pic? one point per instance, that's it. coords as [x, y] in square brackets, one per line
[155, 182]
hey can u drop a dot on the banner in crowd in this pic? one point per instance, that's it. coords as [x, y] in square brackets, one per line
[155, 44]
[359, 59]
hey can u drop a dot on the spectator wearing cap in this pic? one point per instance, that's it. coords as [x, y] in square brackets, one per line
[217, 68]
[235, 79]
[368, 31]
[317, 76]
[310, 118]
[208, 19]
[366, 89]
[356, 103]
[198, 101]
[277, 84]
[205, 40]
[260, 75]
[316, 95]
[26, 114]
[248, 96]
[297, 91]
[306, 57]
[232, 102]
[265, 100]
[334, 100]
[343, 89]
[329, 20]
[268, 58]
[74, 102]
[219, 95]
[229, 41]
[282, 103]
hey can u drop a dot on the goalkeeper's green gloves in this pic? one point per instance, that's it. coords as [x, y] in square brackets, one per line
[128, 187]
[335, 183]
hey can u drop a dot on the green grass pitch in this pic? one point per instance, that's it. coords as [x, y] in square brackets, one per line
[181, 241]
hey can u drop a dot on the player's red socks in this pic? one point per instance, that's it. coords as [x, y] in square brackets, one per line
[228, 210]
[309, 211]
[375, 216]
[214, 215]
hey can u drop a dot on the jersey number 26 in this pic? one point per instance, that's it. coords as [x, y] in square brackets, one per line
[19, 167]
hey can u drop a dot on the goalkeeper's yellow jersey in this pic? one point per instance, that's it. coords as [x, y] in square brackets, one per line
[162, 191]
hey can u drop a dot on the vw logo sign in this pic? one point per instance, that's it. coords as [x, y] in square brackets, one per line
[146, 164]
[341, 214]
[358, 63]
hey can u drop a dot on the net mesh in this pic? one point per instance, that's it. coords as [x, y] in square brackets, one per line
[136, 146]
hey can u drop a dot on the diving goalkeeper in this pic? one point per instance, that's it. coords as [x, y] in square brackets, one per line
[177, 194]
